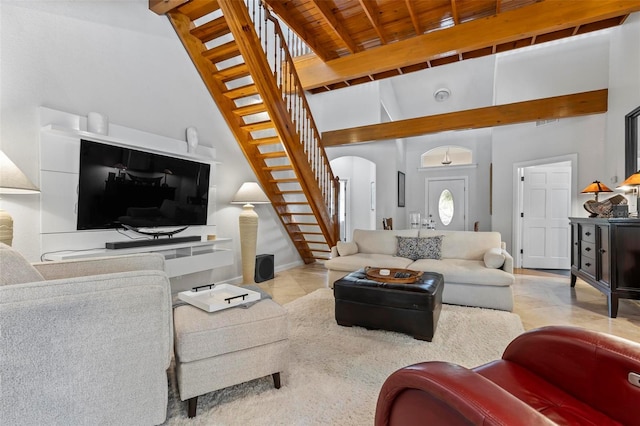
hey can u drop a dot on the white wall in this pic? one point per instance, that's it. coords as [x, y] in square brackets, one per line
[479, 142]
[598, 140]
[624, 94]
[122, 60]
[584, 136]
[360, 173]
[349, 107]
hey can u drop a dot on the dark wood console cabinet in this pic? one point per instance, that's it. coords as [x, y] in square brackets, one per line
[606, 254]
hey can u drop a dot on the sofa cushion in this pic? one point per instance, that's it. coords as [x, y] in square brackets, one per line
[360, 260]
[380, 242]
[464, 271]
[346, 249]
[15, 268]
[494, 258]
[465, 244]
[419, 248]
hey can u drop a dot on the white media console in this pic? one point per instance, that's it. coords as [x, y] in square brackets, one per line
[59, 170]
[180, 259]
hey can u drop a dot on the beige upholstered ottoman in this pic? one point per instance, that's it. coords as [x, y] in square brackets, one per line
[220, 349]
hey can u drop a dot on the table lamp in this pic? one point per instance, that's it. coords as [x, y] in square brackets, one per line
[632, 182]
[12, 181]
[249, 194]
[595, 188]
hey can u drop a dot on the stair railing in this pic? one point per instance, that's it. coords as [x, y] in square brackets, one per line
[276, 47]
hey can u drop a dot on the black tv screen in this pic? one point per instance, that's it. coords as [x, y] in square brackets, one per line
[121, 186]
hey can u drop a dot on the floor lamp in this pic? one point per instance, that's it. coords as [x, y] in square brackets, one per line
[12, 181]
[249, 194]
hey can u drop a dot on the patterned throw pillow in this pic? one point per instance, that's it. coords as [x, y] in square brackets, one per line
[415, 248]
[430, 247]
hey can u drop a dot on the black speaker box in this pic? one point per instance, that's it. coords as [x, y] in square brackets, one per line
[264, 267]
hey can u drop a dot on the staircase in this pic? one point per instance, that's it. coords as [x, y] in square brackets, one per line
[242, 56]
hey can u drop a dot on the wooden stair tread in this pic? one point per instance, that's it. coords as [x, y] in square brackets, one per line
[242, 91]
[197, 9]
[272, 140]
[278, 168]
[261, 125]
[232, 73]
[211, 30]
[284, 180]
[250, 109]
[297, 214]
[296, 191]
[303, 223]
[223, 52]
[275, 154]
[308, 233]
[293, 203]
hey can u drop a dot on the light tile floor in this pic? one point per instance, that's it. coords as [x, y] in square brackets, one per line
[541, 298]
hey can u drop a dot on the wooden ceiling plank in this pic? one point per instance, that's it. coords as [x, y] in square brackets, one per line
[371, 11]
[585, 103]
[414, 16]
[327, 14]
[280, 8]
[525, 22]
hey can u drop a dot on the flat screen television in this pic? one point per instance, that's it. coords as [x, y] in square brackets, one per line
[125, 187]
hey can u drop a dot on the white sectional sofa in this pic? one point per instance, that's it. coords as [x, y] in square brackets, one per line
[477, 269]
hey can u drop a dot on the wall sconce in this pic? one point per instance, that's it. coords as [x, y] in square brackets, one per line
[632, 183]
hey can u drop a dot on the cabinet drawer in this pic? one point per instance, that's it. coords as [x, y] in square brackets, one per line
[588, 265]
[588, 249]
[588, 233]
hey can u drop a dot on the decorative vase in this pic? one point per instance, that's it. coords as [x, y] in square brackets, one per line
[192, 139]
[97, 123]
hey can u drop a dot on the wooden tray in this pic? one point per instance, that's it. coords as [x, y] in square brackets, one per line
[408, 276]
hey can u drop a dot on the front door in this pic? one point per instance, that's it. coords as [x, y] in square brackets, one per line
[546, 238]
[446, 201]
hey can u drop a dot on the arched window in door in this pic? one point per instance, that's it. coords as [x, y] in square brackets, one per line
[446, 156]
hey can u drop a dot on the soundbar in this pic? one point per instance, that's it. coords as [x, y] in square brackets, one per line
[114, 245]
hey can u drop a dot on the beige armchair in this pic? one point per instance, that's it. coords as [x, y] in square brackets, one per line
[84, 342]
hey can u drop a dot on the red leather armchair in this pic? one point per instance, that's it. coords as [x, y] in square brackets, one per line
[551, 375]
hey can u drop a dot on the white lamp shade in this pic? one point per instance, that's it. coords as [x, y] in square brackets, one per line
[12, 180]
[250, 193]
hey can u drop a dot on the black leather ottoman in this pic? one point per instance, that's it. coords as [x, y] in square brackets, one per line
[413, 309]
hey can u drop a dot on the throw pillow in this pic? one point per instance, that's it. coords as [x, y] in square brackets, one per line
[407, 247]
[494, 258]
[15, 268]
[346, 249]
[430, 247]
[415, 248]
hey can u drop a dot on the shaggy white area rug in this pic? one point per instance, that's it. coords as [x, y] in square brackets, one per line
[335, 373]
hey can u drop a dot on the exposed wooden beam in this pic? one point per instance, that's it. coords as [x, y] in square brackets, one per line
[327, 14]
[280, 8]
[414, 16]
[371, 11]
[585, 103]
[507, 27]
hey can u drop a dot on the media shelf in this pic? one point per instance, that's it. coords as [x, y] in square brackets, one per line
[180, 258]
